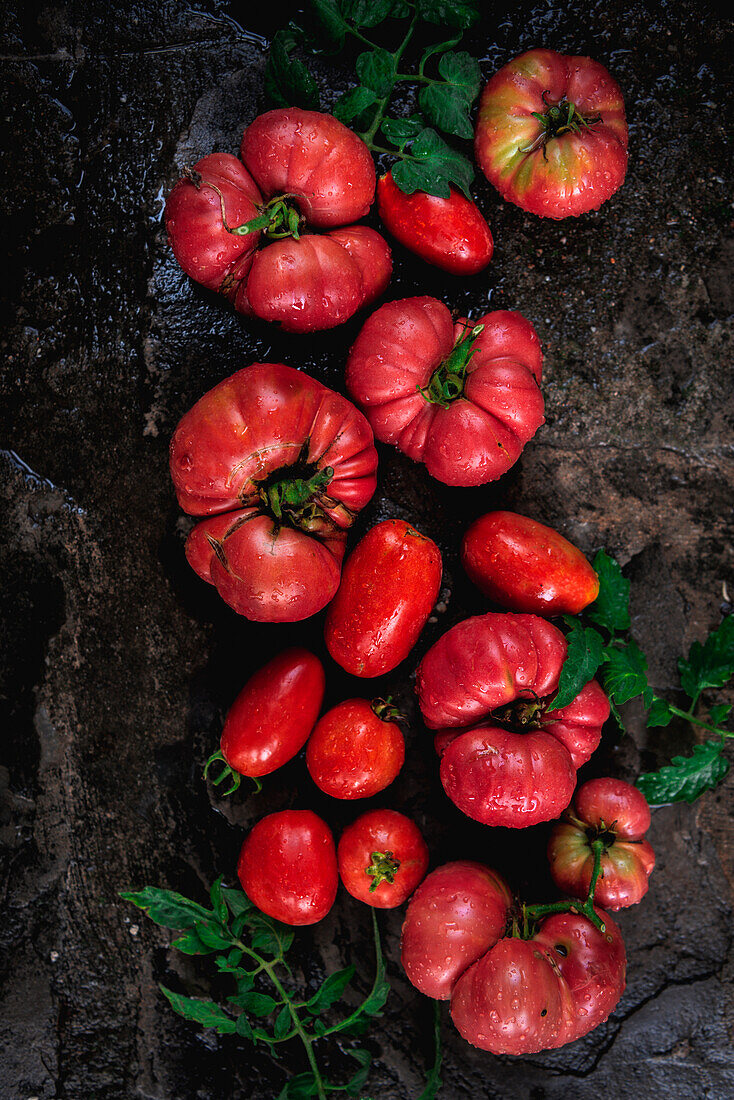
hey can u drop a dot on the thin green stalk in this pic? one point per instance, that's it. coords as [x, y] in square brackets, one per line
[368, 136]
[689, 717]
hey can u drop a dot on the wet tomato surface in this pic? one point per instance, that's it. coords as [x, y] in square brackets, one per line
[356, 749]
[382, 857]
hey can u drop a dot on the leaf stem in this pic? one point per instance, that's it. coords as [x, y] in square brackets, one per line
[368, 136]
[585, 908]
[690, 717]
[379, 978]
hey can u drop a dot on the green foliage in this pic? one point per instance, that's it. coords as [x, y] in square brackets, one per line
[431, 166]
[686, 777]
[584, 656]
[446, 104]
[710, 665]
[625, 674]
[433, 1077]
[610, 609]
[288, 82]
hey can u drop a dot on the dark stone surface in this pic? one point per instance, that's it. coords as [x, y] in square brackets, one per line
[120, 664]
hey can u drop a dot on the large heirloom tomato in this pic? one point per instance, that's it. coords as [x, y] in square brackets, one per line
[509, 995]
[518, 767]
[281, 465]
[551, 133]
[464, 397]
[617, 814]
[245, 229]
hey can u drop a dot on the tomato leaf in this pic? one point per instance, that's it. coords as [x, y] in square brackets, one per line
[709, 665]
[331, 991]
[450, 13]
[719, 714]
[237, 901]
[166, 908]
[625, 674]
[203, 1012]
[433, 1077]
[356, 1083]
[288, 82]
[370, 13]
[399, 131]
[659, 713]
[353, 103]
[610, 609]
[446, 105]
[299, 1087]
[584, 655]
[283, 1022]
[376, 70]
[432, 166]
[332, 24]
[686, 777]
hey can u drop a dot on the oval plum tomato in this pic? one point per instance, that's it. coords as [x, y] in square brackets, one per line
[551, 134]
[519, 766]
[287, 867]
[617, 814]
[281, 465]
[356, 749]
[464, 397]
[271, 718]
[382, 857]
[389, 585]
[525, 566]
[448, 233]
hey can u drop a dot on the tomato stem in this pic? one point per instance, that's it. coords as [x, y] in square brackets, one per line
[448, 380]
[226, 773]
[385, 711]
[297, 500]
[277, 219]
[383, 868]
[560, 118]
[572, 905]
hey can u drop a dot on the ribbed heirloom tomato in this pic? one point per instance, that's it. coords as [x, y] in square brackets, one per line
[281, 465]
[382, 857]
[356, 749]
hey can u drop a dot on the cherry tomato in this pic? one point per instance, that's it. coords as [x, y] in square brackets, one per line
[448, 233]
[382, 857]
[551, 133]
[389, 585]
[617, 814]
[356, 749]
[288, 868]
[525, 566]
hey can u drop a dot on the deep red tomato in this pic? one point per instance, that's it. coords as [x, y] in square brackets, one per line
[389, 585]
[519, 767]
[551, 133]
[448, 233]
[282, 465]
[287, 867]
[382, 857]
[525, 566]
[356, 749]
[616, 813]
[464, 397]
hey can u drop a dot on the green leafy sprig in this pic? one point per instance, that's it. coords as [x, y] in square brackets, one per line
[447, 82]
[251, 949]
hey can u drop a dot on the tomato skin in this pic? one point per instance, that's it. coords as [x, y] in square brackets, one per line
[387, 832]
[353, 753]
[271, 718]
[522, 565]
[579, 169]
[390, 583]
[287, 867]
[448, 233]
[619, 814]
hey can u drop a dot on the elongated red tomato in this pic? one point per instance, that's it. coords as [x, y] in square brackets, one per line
[288, 868]
[382, 857]
[449, 233]
[389, 585]
[525, 566]
[356, 749]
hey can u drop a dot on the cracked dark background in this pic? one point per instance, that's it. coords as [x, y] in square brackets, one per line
[119, 664]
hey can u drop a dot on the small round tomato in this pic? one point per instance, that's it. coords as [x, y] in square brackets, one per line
[551, 134]
[382, 857]
[356, 749]
[288, 868]
[449, 233]
[615, 813]
[525, 566]
[389, 585]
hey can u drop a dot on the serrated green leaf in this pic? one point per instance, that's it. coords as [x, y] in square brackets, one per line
[358, 1026]
[213, 937]
[332, 24]
[719, 714]
[367, 13]
[283, 1022]
[399, 131]
[243, 1027]
[447, 105]
[299, 1087]
[584, 655]
[625, 674]
[257, 1004]
[218, 903]
[356, 1083]
[288, 82]
[376, 70]
[659, 713]
[353, 103]
[610, 609]
[432, 166]
[449, 13]
[203, 1012]
[237, 901]
[709, 665]
[331, 991]
[166, 908]
[686, 777]
[190, 944]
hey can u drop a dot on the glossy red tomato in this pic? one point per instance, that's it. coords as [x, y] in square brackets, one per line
[551, 133]
[464, 397]
[287, 867]
[519, 767]
[356, 749]
[448, 233]
[617, 814]
[389, 585]
[525, 566]
[281, 465]
[382, 857]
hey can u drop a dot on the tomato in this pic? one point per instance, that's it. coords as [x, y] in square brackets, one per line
[464, 397]
[525, 566]
[243, 227]
[551, 134]
[448, 233]
[617, 814]
[389, 585]
[281, 465]
[518, 767]
[356, 749]
[288, 868]
[382, 857]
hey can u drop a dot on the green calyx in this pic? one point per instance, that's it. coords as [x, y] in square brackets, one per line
[277, 219]
[297, 501]
[385, 711]
[560, 118]
[383, 868]
[448, 380]
[522, 714]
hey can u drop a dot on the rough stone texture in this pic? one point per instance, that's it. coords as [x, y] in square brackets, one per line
[120, 664]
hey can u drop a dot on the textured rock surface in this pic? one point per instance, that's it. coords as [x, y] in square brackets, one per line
[120, 664]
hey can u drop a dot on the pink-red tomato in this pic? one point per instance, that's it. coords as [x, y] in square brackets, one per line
[382, 857]
[551, 133]
[617, 814]
[287, 867]
[281, 465]
[389, 585]
[356, 749]
[462, 397]
[525, 566]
